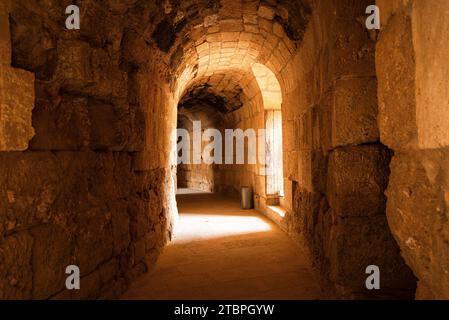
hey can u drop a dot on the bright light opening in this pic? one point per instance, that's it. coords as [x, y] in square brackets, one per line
[199, 227]
[272, 99]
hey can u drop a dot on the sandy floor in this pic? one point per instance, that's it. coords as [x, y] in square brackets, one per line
[222, 252]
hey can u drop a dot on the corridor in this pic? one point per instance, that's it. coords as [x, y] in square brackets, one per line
[222, 252]
[337, 112]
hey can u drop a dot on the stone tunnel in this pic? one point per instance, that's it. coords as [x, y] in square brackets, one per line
[88, 162]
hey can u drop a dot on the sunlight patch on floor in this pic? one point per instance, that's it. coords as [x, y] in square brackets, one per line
[197, 227]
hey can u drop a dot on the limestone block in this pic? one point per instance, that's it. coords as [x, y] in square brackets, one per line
[266, 12]
[16, 276]
[354, 116]
[357, 179]
[358, 243]
[25, 204]
[389, 7]
[73, 64]
[139, 249]
[5, 37]
[305, 136]
[16, 105]
[139, 222]
[291, 164]
[418, 197]
[90, 71]
[64, 126]
[324, 121]
[395, 63]
[107, 130]
[52, 253]
[351, 50]
[93, 238]
[120, 227]
[33, 44]
[432, 72]
[108, 271]
[110, 175]
[79, 123]
[312, 167]
[231, 25]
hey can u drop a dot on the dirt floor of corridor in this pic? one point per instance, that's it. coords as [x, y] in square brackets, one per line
[220, 251]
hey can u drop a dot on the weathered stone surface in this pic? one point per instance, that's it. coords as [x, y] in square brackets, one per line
[417, 210]
[5, 36]
[16, 273]
[33, 42]
[352, 50]
[396, 69]
[62, 126]
[356, 243]
[357, 179]
[432, 73]
[52, 253]
[355, 112]
[26, 204]
[80, 123]
[120, 227]
[16, 105]
[89, 71]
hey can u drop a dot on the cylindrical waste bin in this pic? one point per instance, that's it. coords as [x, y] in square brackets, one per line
[247, 198]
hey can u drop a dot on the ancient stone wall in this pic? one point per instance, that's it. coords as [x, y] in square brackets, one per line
[413, 104]
[94, 187]
[200, 176]
[250, 116]
[336, 167]
[16, 93]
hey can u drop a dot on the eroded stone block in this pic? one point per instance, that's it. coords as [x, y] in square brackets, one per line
[52, 253]
[16, 105]
[354, 116]
[351, 51]
[357, 243]
[418, 197]
[357, 179]
[16, 276]
[395, 64]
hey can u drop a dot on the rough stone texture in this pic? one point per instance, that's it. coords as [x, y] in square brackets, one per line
[338, 203]
[89, 220]
[77, 195]
[395, 50]
[16, 93]
[354, 112]
[16, 279]
[413, 123]
[356, 244]
[418, 198]
[432, 73]
[358, 173]
[16, 105]
[96, 184]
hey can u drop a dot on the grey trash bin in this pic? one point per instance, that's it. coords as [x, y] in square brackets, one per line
[247, 198]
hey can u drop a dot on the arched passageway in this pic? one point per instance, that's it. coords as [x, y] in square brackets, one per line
[356, 154]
